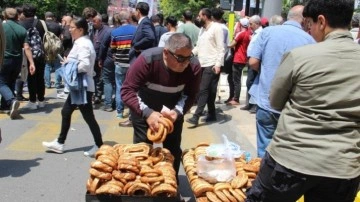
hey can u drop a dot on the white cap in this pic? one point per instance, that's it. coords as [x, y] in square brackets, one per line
[244, 22]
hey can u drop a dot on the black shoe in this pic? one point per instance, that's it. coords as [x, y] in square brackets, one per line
[14, 109]
[96, 101]
[22, 98]
[253, 109]
[193, 120]
[246, 107]
[107, 108]
[126, 123]
[228, 100]
[209, 118]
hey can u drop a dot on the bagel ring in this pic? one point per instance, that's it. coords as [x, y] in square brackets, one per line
[155, 136]
[170, 124]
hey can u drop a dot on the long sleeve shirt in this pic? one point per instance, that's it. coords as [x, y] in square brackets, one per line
[149, 84]
[210, 45]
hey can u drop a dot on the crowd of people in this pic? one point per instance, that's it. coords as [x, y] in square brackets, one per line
[301, 84]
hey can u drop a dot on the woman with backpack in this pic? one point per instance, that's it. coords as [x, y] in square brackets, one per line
[84, 54]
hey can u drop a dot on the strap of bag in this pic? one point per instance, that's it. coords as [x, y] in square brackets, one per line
[44, 25]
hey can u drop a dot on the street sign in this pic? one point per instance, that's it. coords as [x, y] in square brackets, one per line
[226, 4]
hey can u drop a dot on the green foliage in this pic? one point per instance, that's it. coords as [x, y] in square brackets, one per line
[59, 7]
[177, 7]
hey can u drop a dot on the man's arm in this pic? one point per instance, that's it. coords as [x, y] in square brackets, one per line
[254, 63]
[282, 85]
[147, 38]
[29, 56]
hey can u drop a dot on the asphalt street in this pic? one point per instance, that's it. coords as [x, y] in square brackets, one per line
[30, 174]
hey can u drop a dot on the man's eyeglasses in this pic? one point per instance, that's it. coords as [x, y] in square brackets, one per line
[181, 59]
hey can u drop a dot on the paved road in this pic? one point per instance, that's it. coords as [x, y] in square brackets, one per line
[29, 174]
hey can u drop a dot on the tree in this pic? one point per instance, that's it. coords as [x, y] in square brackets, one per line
[59, 7]
[177, 7]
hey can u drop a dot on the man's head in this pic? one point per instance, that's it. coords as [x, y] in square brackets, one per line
[142, 9]
[89, 13]
[187, 15]
[123, 17]
[204, 16]
[11, 14]
[217, 14]
[244, 22]
[49, 16]
[276, 20]
[255, 22]
[66, 19]
[97, 21]
[177, 52]
[29, 10]
[170, 22]
[155, 19]
[325, 16]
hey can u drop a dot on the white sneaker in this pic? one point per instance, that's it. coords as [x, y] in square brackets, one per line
[62, 95]
[54, 146]
[92, 151]
[31, 105]
[41, 104]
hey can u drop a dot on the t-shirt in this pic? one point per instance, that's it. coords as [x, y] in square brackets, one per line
[15, 39]
[190, 30]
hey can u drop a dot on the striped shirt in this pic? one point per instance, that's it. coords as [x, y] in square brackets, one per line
[121, 43]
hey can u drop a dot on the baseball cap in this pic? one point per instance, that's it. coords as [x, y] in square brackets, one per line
[244, 22]
[264, 21]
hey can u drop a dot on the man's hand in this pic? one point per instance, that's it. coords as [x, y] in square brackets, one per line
[153, 121]
[216, 69]
[32, 69]
[172, 115]
[100, 63]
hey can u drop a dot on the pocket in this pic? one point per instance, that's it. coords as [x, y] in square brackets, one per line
[120, 69]
[285, 180]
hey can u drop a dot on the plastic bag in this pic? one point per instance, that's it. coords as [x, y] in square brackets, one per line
[219, 165]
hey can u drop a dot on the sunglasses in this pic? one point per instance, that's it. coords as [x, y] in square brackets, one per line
[181, 59]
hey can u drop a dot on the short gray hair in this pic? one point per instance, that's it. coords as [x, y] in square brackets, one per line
[275, 20]
[177, 41]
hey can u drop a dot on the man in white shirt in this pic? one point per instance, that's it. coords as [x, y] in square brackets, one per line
[210, 52]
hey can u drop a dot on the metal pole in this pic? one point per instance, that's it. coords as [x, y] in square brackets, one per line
[231, 22]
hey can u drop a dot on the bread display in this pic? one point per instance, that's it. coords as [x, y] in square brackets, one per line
[221, 191]
[136, 169]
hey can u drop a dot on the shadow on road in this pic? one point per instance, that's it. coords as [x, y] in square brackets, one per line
[17, 168]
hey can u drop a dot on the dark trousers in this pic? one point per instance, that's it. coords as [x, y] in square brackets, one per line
[172, 141]
[8, 74]
[98, 80]
[276, 183]
[88, 115]
[251, 75]
[36, 83]
[237, 73]
[207, 93]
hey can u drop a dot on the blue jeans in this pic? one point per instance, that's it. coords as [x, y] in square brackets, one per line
[108, 78]
[9, 72]
[120, 73]
[266, 122]
[52, 66]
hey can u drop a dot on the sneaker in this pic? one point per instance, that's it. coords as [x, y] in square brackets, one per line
[107, 108]
[31, 105]
[92, 151]
[62, 95]
[120, 116]
[41, 104]
[54, 146]
[193, 120]
[14, 109]
[209, 118]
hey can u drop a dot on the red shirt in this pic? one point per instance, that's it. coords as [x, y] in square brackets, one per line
[242, 42]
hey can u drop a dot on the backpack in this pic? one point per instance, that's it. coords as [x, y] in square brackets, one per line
[52, 45]
[35, 42]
